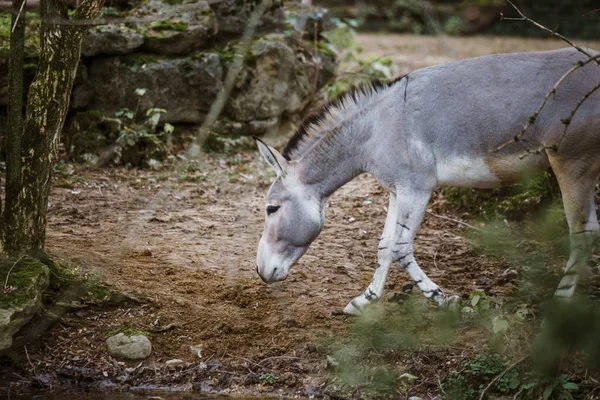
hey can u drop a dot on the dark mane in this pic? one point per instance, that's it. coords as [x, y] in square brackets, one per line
[315, 119]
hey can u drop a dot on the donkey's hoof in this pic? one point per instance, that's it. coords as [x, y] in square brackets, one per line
[353, 309]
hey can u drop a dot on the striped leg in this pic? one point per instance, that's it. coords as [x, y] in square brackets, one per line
[577, 188]
[583, 226]
[405, 213]
[413, 206]
[384, 261]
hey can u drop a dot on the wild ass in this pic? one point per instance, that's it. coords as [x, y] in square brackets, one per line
[437, 126]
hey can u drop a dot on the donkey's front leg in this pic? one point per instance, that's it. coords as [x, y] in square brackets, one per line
[412, 204]
[384, 261]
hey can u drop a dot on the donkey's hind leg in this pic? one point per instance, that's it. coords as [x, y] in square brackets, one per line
[577, 182]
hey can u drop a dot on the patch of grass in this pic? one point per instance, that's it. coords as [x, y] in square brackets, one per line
[127, 331]
[513, 202]
[475, 374]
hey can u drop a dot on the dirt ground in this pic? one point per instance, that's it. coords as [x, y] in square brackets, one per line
[186, 244]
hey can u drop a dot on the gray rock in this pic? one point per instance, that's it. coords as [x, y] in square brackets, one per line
[185, 87]
[233, 16]
[273, 83]
[134, 347]
[111, 40]
[183, 32]
[27, 283]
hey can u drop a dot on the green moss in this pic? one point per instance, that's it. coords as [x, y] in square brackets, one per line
[26, 277]
[173, 25]
[127, 331]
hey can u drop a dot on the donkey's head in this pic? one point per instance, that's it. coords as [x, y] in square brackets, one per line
[294, 218]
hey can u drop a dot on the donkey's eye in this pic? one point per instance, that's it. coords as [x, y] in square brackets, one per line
[272, 209]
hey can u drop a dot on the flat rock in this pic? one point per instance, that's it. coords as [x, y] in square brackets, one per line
[111, 40]
[135, 347]
[27, 282]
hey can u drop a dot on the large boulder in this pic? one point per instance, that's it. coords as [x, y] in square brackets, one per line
[273, 82]
[185, 87]
[21, 298]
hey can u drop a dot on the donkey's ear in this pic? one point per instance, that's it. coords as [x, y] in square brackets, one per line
[273, 157]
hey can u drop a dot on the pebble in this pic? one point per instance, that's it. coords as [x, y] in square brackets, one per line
[196, 350]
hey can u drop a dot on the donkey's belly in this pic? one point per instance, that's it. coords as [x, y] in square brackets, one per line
[488, 172]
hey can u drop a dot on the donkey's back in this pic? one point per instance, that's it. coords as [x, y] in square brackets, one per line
[466, 109]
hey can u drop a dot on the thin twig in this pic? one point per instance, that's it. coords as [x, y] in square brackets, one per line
[18, 16]
[501, 375]
[9, 271]
[542, 27]
[567, 121]
[552, 91]
[589, 12]
[455, 220]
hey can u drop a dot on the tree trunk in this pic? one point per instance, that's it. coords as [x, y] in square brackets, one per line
[47, 106]
[14, 120]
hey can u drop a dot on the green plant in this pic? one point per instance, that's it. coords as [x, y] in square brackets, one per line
[141, 140]
[476, 374]
[268, 379]
[109, 12]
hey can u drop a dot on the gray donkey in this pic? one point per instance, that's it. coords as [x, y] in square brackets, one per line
[437, 126]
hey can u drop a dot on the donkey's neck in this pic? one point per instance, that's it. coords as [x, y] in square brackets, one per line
[329, 166]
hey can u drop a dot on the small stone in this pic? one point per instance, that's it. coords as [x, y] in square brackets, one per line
[310, 347]
[414, 398]
[332, 362]
[396, 297]
[407, 287]
[134, 347]
[196, 350]
[408, 378]
[175, 361]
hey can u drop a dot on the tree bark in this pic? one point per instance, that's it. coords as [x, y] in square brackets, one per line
[14, 120]
[47, 106]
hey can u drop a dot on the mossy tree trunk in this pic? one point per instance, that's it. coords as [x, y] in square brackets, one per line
[15, 111]
[47, 106]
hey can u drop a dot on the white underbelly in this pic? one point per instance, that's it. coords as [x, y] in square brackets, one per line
[463, 171]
